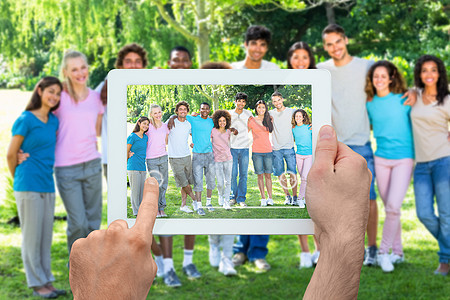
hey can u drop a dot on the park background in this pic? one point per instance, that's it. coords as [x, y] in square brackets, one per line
[34, 35]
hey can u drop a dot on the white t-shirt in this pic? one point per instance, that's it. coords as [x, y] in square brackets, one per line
[239, 122]
[179, 139]
[282, 137]
[264, 65]
[348, 113]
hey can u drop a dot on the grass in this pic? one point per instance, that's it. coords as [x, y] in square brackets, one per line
[413, 279]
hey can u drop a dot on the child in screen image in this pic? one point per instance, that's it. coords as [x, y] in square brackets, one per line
[300, 56]
[137, 173]
[157, 159]
[394, 157]
[220, 138]
[261, 126]
[34, 132]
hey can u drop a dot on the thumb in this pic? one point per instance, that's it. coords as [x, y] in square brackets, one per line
[326, 150]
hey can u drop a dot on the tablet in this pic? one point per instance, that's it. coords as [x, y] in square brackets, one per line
[130, 95]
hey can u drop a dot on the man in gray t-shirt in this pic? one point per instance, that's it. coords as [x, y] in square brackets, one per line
[349, 115]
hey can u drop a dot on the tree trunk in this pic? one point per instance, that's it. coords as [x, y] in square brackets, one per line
[330, 13]
[203, 33]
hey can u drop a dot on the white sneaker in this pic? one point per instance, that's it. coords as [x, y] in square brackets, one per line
[385, 263]
[194, 205]
[301, 203]
[186, 209]
[269, 201]
[305, 260]
[315, 257]
[263, 202]
[396, 259]
[220, 201]
[226, 205]
[214, 255]
[226, 267]
[160, 265]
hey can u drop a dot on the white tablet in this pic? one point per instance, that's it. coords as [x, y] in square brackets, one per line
[130, 94]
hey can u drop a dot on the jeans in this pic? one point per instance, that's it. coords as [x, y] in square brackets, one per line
[279, 157]
[432, 179]
[223, 174]
[254, 246]
[240, 163]
[366, 152]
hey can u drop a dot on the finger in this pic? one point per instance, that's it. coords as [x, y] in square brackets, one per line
[145, 219]
[326, 150]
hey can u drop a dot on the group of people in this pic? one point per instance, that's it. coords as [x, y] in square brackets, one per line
[60, 124]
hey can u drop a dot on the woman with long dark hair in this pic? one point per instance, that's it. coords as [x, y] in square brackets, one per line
[430, 118]
[34, 132]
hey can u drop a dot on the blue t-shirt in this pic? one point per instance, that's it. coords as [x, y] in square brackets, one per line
[36, 173]
[303, 139]
[391, 126]
[201, 133]
[139, 148]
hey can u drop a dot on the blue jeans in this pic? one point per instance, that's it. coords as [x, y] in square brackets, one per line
[366, 152]
[432, 179]
[279, 157]
[254, 246]
[240, 163]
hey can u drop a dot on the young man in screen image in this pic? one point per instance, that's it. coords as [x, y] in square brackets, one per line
[131, 56]
[349, 114]
[283, 147]
[240, 144]
[257, 40]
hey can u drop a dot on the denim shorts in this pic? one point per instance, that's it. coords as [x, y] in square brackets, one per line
[366, 152]
[279, 157]
[262, 162]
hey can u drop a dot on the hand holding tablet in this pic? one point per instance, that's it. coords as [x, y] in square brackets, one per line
[116, 263]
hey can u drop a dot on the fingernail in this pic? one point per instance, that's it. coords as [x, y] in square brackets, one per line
[326, 132]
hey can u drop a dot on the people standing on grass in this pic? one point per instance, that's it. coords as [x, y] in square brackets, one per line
[430, 118]
[130, 56]
[220, 138]
[136, 152]
[394, 157]
[34, 132]
[261, 127]
[240, 144]
[300, 56]
[156, 158]
[78, 169]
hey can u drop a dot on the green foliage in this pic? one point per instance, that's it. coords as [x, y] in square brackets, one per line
[9, 207]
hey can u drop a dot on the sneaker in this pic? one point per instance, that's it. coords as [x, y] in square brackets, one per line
[301, 203]
[171, 279]
[186, 209]
[163, 214]
[315, 257]
[239, 259]
[226, 205]
[209, 207]
[158, 215]
[194, 205]
[305, 260]
[200, 211]
[232, 202]
[396, 259]
[295, 200]
[243, 204]
[226, 267]
[288, 200]
[262, 264]
[221, 201]
[160, 269]
[263, 202]
[214, 255]
[269, 201]
[371, 256]
[191, 271]
[385, 263]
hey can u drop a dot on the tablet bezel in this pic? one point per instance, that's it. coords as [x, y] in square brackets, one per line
[120, 79]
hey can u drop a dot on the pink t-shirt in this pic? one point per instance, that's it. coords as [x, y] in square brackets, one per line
[156, 146]
[261, 141]
[76, 139]
[221, 145]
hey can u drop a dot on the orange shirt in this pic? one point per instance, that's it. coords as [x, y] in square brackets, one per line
[261, 141]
